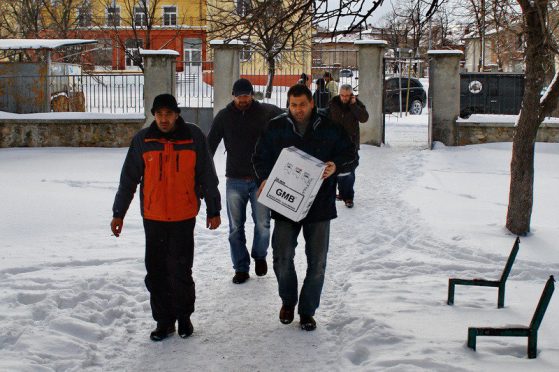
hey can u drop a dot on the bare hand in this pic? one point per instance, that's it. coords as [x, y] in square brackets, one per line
[213, 223]
[116, 226]
[329, 170]
[352, 100]
[260, 188]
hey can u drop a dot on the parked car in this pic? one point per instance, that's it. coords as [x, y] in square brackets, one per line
[346, 73]
[417, 96]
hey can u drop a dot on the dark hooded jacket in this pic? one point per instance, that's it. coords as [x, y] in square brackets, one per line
[324, 139]
[240, 131]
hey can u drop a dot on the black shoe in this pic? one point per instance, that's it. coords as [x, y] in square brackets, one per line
[240, 277]
[286, 314]
[260, 267]
[161, 332]
[185, 327]
[307, 323]
[349, 203]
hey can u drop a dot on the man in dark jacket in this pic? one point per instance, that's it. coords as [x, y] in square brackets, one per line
[239, 125]
[171, 162]
[318, 136]
[348, 111]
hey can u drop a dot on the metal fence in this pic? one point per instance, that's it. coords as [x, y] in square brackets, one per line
[195, 84]
[102, 93]
[123, 92]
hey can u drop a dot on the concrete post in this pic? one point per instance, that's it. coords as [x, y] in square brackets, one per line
[371, 55]
[160, 76]
[444, 95]
[226, 70]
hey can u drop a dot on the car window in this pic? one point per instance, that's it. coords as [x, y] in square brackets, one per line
[416, 84]
[392, 84]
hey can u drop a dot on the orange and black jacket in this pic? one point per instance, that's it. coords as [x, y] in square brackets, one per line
[175, 170]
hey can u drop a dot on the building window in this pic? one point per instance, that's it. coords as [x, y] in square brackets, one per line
[246, 51]
[113, 16]
[104, 55]
[140, 19]
[133, 58]
[169, 15]
[519, 44]
[84, 15]
[192, 52]
[243, 7]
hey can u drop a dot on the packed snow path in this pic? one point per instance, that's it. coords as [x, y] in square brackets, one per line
[72, 296]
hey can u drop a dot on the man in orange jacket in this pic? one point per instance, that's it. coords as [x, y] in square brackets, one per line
[171, 162]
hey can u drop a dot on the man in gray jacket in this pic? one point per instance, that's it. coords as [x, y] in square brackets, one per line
[348, 111]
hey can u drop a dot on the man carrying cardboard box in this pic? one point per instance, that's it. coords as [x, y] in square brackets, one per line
[316, 135]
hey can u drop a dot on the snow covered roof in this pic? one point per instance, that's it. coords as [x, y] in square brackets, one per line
[148, 52]
[15, 44]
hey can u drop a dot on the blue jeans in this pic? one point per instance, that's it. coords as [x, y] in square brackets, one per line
[345, 186]
[238, 193]
[284, 241]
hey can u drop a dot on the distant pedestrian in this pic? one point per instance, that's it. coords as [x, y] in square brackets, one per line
[239, 125]
[318, 136]
[303, 79]
[321, 95]
[347, 110]
[331, 84]
[171, 162]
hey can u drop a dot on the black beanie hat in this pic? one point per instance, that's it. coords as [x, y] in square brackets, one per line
[242, 87]
[165, 100]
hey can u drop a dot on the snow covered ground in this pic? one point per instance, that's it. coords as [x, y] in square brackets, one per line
[72, 296]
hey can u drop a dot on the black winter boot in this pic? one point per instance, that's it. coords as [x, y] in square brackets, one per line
[307, 323]
[162, 331]
[185, 327]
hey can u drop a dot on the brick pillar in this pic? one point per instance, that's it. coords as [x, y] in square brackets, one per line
[226, 70]
[371, 55]
[160, 76]
[444, 95]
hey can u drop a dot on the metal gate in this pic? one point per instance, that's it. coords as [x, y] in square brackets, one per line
[490, 93]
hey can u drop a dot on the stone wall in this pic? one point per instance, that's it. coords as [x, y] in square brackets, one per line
[472, 133]
[68, 132]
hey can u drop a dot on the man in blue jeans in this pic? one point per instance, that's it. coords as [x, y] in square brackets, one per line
[348, 111]
[239, 125]
[318, 136]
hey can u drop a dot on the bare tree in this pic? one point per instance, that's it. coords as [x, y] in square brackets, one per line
[140, 17]
[21, 18]
[268, 27]
[408, 21]
[540, 50]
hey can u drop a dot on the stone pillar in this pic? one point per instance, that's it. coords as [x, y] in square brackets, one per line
[160, 76]
[371, 56]
[444, 95]
[226, 70]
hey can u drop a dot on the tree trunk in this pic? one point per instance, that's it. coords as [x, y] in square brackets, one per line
[271, 74]
[522, 165]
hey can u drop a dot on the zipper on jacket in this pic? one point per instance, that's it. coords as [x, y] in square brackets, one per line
[160, 166]
[177, 162]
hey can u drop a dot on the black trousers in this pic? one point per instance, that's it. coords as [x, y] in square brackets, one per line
[169, 257]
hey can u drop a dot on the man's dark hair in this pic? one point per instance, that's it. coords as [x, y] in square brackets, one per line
[299, 90]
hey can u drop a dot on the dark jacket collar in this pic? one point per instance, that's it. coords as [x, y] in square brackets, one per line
[315, 120]
[231, 106]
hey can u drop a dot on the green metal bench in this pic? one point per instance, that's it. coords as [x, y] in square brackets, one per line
[452, 282]
[531, 332]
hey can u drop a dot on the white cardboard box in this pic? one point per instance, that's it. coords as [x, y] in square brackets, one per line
[293, 183]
